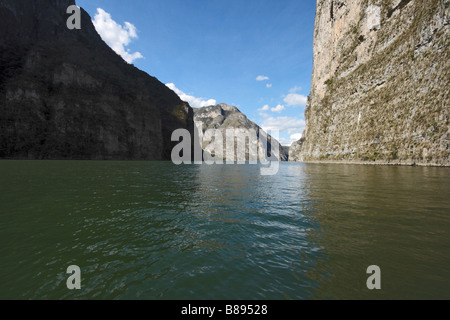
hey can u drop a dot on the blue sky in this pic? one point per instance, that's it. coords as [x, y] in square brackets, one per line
[215, 50]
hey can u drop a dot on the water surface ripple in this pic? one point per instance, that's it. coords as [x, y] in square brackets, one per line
[152, 230]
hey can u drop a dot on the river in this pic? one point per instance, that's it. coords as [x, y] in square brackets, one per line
[153, 230]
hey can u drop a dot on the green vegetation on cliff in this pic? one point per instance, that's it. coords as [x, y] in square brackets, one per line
[386, 97]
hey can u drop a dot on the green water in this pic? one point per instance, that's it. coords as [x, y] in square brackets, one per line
[142, 230]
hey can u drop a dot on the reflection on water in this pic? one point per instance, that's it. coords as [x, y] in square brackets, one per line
[158, 231]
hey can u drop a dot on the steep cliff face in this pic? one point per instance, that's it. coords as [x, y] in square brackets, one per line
[295, 151]
[224, 117]
[381, 82]
[64, 94]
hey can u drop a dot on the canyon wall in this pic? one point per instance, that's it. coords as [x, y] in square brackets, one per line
[223, 117]
[380, 84]
[64, 94]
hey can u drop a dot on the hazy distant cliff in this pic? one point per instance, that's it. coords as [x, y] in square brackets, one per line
[223, 117]
[381, 83]
[64, 94]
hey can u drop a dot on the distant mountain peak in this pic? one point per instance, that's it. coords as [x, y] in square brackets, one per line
[223, 116]
[227, 107]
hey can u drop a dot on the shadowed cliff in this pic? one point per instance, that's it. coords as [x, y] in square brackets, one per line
[64, 94]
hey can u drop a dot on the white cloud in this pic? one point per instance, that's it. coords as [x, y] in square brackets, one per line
[263, 114]
[288, 127]
[115, 35]
[269, 85]
[262, 78]
[194, 102]
[296, 136]
[295, 89]
[285, 142]
[291, 125]
[293, 138]
[264, 108]
[279, 108]
[296, 100]
[289, 141]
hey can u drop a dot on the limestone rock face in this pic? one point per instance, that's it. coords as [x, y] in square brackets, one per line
[224, 117]
[381, 82]
[295, 150]
[64, 94]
